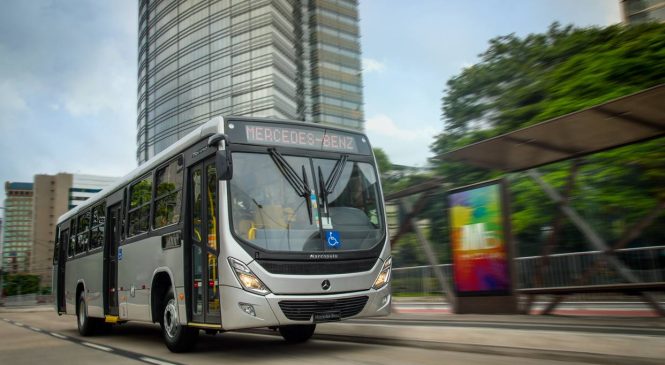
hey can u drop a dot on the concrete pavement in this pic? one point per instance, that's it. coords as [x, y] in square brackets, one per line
[411, 337]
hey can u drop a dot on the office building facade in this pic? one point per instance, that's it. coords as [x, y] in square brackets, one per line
[83, 187]
[643, 11]
[291, 59]
[17, 232]
[50, 201]
[53, 196]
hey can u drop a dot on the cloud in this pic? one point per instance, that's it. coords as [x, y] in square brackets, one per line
[385, 126]
[90, 92]
[10, 98]
[372, 65]
[404, 145]
[68, 85]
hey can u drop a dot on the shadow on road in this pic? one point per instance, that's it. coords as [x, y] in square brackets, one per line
[238, 344]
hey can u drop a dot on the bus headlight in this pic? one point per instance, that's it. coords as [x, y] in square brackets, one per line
[384, 275]
[247, 279]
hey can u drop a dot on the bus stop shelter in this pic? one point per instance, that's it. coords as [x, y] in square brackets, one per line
[631, 119]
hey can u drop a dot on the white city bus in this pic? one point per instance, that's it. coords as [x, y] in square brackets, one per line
[244, 222]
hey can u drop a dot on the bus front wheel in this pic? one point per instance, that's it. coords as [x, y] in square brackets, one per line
[297, 333]
[178, 338]
[86, 325]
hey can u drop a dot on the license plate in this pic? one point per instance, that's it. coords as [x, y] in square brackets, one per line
[327, 317]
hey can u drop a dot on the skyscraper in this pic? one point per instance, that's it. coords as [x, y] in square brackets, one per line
[53, 195]
[293, 59]
[17, 235]
[642, 11]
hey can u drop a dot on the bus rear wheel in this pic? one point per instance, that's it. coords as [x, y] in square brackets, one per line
[297, 333]
[178, 338]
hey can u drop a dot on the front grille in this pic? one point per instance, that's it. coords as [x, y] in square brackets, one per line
[302, 310]
[316, 267]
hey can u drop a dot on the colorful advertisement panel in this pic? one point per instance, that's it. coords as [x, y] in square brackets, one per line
[478, 240]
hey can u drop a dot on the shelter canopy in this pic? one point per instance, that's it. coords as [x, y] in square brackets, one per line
[629, 119]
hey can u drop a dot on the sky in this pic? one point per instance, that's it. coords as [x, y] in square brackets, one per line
[68, 74]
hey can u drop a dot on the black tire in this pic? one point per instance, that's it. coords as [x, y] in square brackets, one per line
[297, 333]
[87, 326]
[178, 338]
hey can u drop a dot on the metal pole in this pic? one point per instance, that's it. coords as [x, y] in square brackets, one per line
[434, 263]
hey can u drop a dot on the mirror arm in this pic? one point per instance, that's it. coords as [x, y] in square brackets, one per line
[215, 138]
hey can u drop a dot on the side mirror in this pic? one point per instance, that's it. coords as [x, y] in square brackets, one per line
[224, 164]
[223, 160]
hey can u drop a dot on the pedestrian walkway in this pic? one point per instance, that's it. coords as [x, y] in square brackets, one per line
[628, 340]
[430, 305]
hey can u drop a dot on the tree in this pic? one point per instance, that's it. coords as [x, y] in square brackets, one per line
[523, 81]
[382, 161]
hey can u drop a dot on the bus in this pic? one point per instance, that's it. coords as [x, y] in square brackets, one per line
[242, 223]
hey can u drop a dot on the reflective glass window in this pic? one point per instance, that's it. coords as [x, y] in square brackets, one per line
[167, 194]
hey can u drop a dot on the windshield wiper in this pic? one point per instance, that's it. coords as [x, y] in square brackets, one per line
[328, 187]
[300, 185]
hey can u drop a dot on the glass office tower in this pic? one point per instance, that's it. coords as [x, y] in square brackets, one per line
[292, 59]
[643, 11]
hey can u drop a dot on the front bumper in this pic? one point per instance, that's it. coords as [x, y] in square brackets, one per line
[268, 312]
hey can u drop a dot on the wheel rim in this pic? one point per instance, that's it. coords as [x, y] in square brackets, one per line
[82, 313]
[171, 324]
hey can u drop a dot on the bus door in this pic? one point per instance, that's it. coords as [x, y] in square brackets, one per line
[61, 264]
[203, 228]
[113, 214]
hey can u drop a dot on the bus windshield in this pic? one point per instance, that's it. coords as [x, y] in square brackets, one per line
[273, 214]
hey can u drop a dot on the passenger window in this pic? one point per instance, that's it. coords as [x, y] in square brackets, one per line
[139, 206]
[71, 250]
[97, 230]
[168, 194]
[84, 233]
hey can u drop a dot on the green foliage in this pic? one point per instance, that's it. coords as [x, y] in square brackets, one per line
[408, 252]
[20, 284]
[141, 193]
[382, 161]
[522, 81]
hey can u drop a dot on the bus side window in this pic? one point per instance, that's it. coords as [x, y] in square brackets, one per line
[168, 199]
[71, 251]
[97, 226]
[140, 196]
[84, 232]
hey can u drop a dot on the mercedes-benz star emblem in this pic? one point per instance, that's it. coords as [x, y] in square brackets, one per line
[325, 285]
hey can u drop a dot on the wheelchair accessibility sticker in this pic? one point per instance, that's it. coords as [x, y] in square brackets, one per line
[332, 237]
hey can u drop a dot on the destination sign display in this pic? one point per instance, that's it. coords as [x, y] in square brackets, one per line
[275, 134]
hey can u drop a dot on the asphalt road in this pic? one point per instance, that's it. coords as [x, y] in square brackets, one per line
[44, 338]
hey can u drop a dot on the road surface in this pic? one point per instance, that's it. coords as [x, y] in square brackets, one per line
[41, 337]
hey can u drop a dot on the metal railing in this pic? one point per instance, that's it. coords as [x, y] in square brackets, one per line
[568, 269]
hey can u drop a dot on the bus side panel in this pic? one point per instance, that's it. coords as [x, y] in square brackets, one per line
[71, 280]
[86, 269]
[136, 265]
[90, 269]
